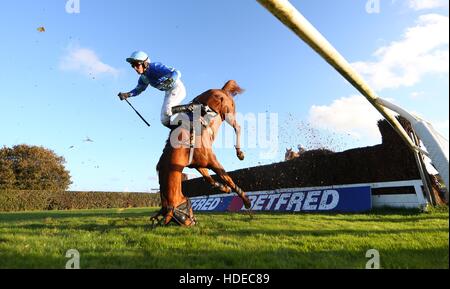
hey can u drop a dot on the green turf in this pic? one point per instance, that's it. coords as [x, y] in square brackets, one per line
[123, 239]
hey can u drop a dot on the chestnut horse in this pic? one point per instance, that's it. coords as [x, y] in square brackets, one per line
[175, 157]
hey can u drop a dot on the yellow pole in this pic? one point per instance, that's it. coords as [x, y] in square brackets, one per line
[292, 18]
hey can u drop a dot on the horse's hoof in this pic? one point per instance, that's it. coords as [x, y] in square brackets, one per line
[192, 223]
[247, 203]
[240, 155]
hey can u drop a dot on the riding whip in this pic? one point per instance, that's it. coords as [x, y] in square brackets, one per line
[137, 112]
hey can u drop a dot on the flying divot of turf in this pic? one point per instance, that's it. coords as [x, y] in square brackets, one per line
[389, 161]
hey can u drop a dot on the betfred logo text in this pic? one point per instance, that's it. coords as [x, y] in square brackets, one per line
[302, 201]
[352, 199]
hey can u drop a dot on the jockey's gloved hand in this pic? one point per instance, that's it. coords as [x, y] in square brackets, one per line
[123, 95]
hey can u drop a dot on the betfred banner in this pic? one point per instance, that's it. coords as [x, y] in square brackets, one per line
[354, 199]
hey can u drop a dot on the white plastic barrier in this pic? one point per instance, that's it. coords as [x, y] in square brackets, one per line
[434, 142]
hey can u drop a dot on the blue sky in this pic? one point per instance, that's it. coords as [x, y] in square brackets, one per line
[59, 87]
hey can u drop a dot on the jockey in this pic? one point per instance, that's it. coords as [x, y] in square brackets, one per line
[159, 76]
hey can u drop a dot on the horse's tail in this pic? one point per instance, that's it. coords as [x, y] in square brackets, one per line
[232, 88]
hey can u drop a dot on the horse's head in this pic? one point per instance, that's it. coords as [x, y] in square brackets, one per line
[290, 154]
[287, 155]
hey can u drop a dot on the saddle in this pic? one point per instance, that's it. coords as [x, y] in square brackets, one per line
[193, 110]
[205, 113]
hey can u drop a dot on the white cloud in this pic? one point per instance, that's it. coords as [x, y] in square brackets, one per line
[423, 50]
[417, 95]
[352, 115]
[427, 4]
[85, 61]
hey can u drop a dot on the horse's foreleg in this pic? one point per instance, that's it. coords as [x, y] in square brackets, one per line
[174, 196]
[212, 182]
[170, 176]
[219, 170]
[231, 120]
[239, 153]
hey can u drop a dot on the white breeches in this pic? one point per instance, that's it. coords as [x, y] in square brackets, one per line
[173, 98]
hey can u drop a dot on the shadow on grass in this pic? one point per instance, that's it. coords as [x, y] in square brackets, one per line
[89, 227]
[312, 233]
[139, 212]
[31, 216]
[401, 216]
[399, 219]
[187, 258]
[216, 231]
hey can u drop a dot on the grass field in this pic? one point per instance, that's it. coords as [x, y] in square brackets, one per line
[123, 239]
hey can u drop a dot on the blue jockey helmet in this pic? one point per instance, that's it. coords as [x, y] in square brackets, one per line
[138, 56]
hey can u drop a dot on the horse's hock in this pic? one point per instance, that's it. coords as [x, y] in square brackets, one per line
[390, 161]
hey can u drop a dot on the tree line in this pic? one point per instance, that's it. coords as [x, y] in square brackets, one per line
[25, 167]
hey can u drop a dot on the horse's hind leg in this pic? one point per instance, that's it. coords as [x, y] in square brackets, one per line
[212, 182]
[219, 170]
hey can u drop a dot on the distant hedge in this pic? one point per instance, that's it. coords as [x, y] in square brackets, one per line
[15, 200]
